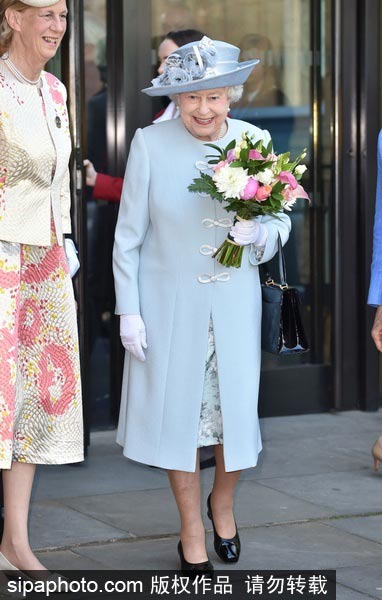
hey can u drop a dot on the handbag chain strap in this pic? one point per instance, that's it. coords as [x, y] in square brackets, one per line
[282, 269]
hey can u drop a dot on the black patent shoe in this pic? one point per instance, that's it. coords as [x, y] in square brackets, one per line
[193, 570]
[226, 549]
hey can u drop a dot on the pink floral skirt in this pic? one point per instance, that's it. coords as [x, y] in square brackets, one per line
[40, 386]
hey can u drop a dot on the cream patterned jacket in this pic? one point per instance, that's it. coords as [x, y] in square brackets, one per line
[35, 147]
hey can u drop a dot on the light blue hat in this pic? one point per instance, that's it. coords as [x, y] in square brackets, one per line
[203, 65]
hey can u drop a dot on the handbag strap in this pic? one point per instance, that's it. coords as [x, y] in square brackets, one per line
[282, 265]
[282, 268]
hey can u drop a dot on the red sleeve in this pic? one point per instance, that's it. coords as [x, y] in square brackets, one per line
[159, 114]
[108, 188]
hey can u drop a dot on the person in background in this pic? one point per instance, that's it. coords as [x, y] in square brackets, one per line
[375, 290]
[263, 86]
[192, 381]
[106, 187]
[40, 387]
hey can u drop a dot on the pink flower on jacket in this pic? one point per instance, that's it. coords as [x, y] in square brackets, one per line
[263, 193]
[250, 189]
[287, 177]
[54, 90]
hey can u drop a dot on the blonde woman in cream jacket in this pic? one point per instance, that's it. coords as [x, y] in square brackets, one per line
[40, 390]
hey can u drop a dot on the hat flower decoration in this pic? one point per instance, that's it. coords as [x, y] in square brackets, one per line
[193, 65]
[202, 65]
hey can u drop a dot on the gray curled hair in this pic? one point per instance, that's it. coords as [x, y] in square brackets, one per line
[6, 32]
[235, 92]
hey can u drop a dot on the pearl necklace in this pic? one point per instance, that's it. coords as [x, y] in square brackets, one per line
[15, 71]
[223, 130]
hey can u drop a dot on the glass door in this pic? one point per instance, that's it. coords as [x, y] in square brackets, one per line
[288, 93]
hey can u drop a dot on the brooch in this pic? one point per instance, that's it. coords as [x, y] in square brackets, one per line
[58, 122]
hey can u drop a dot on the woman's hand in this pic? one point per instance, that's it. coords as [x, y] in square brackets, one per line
[249, 232]
[91, 173]
[376, 332]
[133, 335]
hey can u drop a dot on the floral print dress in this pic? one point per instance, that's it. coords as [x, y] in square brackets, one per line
[210, 423]
[40, 386]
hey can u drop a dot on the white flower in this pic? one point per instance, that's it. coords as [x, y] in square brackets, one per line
[266, 177]
[231, 181]
[287, 204]
[239, 147]
[300, 169]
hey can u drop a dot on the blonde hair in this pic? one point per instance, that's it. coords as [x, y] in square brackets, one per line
[6, 32]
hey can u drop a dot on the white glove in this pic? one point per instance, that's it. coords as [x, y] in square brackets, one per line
[133, 335]
[249, 232]
[71, 256]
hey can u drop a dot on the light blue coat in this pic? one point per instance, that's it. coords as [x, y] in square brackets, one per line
[375, 291]
[157, 267]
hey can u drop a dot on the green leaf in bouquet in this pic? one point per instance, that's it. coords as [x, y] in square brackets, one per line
[219, 150]
[283, 161]
[269, 148]
[238, 163]
[275, 204]
[230, 146]
[244, 154]
[297, 161]
[215, 161]
[278, 187]
[258, 146]
[205, 185]
[234, 205]
[278, 196]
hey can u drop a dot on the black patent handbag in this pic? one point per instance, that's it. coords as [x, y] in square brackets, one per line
[282, 329]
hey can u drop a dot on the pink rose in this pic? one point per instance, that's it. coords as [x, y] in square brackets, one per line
[250, 189]
[231, 156]
[263, 193]
[255, 155]
[220, 165]
[288, 178]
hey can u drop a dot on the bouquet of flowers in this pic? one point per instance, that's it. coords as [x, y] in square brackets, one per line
[250, 180]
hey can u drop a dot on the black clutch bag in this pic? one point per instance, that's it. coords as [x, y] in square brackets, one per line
[282, 329]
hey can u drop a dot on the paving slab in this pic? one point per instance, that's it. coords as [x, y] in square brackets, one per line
[346, 593]
[68, 560]
[53, 525]
[328, 424]
[366, 580]
[349, 492]
[297, 546]
[97, 475]
[143, 514]
[307, 457]
[366, 527]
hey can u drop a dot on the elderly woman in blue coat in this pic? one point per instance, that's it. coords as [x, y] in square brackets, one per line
[191, 327]
[375, 290]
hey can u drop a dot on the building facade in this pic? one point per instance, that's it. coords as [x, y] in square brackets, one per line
[317, 87]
